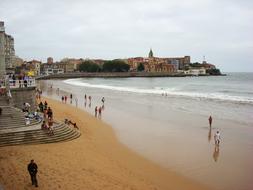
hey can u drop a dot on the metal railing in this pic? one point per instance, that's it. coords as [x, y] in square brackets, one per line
[9, 83]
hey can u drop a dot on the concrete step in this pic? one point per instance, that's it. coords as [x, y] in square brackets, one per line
[16, 124]
[33, 132]
[62, 132]
[35, 137]
[42, 136]
[50, 139]
[44, 141]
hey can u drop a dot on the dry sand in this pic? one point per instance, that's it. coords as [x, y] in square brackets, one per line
[96, 160]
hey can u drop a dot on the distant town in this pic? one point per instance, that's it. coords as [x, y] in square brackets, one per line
[10, 64]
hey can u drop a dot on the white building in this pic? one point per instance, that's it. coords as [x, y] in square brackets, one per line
[196, 71]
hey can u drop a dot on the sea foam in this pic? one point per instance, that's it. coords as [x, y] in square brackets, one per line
[219, 96]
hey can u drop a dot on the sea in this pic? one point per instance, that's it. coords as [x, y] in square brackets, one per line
[165, 119]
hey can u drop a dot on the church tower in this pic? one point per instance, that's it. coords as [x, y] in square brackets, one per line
[150, 55]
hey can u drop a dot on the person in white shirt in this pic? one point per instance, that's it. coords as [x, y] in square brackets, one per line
[217, 138]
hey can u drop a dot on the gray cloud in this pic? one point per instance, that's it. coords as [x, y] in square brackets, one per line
[219, 29]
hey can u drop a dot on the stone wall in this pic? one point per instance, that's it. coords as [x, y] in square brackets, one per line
[22, 95]
[113, 75]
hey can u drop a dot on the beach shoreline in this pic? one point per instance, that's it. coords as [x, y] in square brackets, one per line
[96, 160]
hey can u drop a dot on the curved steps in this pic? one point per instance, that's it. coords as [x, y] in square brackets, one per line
[13, 118]
[62, 132]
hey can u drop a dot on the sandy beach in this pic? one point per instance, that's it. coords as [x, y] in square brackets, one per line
[96, 160]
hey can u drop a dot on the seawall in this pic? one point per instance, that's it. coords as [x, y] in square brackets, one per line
[22, 95]
[114, 75]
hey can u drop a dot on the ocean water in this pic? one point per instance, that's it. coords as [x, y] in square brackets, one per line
[201, 95]
[165, 120]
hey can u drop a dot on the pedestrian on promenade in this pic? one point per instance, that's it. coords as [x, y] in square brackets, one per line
[33, 169]
[210, 119]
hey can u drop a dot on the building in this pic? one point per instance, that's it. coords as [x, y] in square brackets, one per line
[33, 67]
[195, 71]
[52, 68]
[156, 64]
[2, 50]
[50, 60]
[7, 51]
[71, 64]
[17, 61]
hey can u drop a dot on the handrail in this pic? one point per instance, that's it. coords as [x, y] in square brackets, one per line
[18, 83]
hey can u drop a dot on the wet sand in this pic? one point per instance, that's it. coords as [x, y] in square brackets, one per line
[175, 139]
[96, 160]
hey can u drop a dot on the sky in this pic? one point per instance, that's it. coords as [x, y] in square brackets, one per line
[220, 30]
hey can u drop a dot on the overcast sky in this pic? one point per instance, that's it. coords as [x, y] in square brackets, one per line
[220, 30]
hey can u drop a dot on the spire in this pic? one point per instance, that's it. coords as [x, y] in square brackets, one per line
[150, 55]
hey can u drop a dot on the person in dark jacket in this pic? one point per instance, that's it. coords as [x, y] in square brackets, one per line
[33, 168]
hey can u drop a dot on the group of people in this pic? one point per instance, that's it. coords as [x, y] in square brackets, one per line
[29, 114]
[98, 110]
[48, 121]
[85, 100]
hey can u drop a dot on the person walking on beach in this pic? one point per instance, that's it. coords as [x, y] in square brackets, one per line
[100, 112]
[62, 99]
[71, 96]
[65, 99]
[89, 101]
[96, 111]
[85, 97]
[217, 138]
[210, 119]
[103, 100]
[33, 169]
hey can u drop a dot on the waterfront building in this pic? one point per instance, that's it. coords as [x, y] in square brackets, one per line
[71, 64]
[52, 68]
[33, 67]
[7, 51]
[17, 61]
[156, 64]
[195, 71]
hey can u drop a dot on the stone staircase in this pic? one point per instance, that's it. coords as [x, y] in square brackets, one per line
[14, 131]
[4, 101]
[13, 118]
[35, 135]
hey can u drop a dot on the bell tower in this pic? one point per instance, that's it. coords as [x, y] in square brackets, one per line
[150, 55]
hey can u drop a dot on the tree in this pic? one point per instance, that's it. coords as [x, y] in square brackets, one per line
[213, 71]
[89, 66]
[140, 67]
[115, 66]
